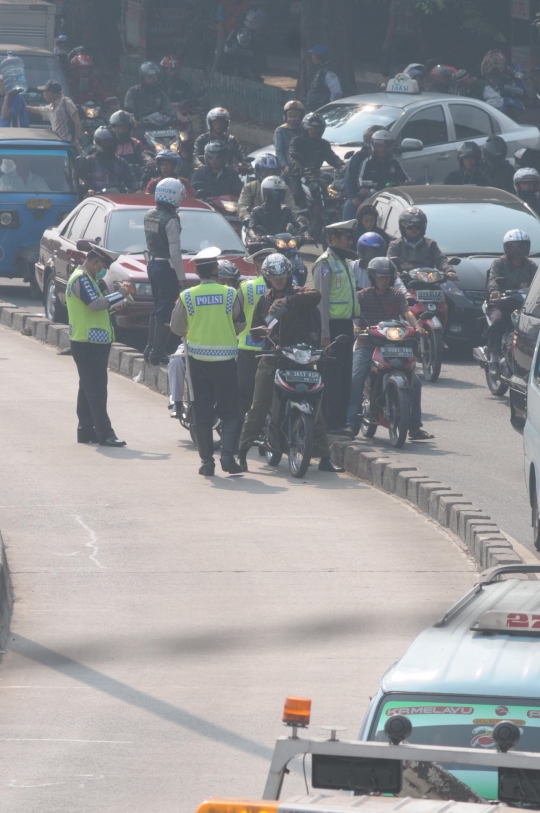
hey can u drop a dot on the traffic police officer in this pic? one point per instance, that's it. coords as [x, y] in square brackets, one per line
[209, 317]
[91, 335]
[334, 278]
[165, 265]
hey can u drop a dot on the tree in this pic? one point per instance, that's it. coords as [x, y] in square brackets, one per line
[331, 23]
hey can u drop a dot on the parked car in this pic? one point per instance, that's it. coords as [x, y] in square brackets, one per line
[38, 189]
[439, 121]
[531, 442]
[525, 341]
[40, 65]
[116, 221]
[468, 223]
[479, 664]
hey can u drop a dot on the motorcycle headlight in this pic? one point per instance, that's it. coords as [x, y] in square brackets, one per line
[332, 193]
[92, 112]
[292, 243]
[426, 276]
[183, 135]
[229, 205]
[302, 356]
[395, 334]
[281, 244]
[159, 146]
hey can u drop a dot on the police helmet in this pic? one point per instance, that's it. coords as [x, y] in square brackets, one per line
[171, 191]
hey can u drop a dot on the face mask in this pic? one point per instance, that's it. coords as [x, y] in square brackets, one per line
[101, 273]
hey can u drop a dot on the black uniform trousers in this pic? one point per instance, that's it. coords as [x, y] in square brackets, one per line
[338, 376]
[247, 363]
[215, 391]
[91, 360]
[165, 289]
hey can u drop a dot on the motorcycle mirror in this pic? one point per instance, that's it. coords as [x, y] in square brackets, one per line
[410, 145]
[426, 315]
[342, 339]
[454, 260]
[83, 245]
[349, 154]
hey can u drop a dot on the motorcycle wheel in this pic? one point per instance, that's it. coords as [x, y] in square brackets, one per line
[398, 409]
[273, 458]
[495, 384]
[432, 359]
[301, 445]
[367, 429]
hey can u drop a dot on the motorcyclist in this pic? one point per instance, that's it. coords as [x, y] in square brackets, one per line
[369, 246]
[83, 85]
[380, 169]
[366, 217]
[441, 79]
[294, 309]
[413, 249]
[176, 88]
[218, 121]
[418, 72]
[506, 80]
[307, 153]
[352, 173]
[149, 96]
[229, 274]
[216, 177]
[274, 216]
[104, 169]
[265, 166]
[380, 303]
[518, 271]
[527, 186]
[473, 88]
[293, 113]
[469, 156]
[325, 86]
[499, 171]
[129, 148]
[167, 165]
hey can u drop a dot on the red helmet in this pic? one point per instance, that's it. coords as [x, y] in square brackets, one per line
[82, 61]
[442, 75]
[170, 62]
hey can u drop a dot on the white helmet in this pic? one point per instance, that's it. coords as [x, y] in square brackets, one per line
[276, 265]
[274, 188]
[517, 242]
[217, 113]
[526, 175]
[170, 190]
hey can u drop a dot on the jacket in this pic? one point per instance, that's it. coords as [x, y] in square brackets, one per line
[251, 196]
[208, 185]
[142, 102]
[237, 154]
[501, 174]
[282, 141]
[307, 153]
[426, 254]
[325, 87]
[514, 277]
[298, 324]
[379, 174]
[102, 171]
[352, 186]
[271, 221]
[460, 178]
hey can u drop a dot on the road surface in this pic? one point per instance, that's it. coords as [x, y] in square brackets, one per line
[161, 618]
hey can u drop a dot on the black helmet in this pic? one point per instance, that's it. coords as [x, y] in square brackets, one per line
[381, 267]
[314, 120]
[216, 149]
[294, 104]
[469, 148]
[228, 270]
[105, 140]
[122, 119]
[413, 216]
[150, 70]
[495, 149]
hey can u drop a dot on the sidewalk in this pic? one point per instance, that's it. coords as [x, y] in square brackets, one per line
[161, 618]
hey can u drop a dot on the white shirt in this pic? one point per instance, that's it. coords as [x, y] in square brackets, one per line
[12, 182]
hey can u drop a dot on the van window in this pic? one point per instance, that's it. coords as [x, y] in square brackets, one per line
[428, 125]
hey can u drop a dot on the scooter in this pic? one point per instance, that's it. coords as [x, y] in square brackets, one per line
[388, 390]
[298, 389]
[427, 302]
[286, 244]
[322, 206]
[511, 303]
[92, 117]
[227, 205]
[158, 130]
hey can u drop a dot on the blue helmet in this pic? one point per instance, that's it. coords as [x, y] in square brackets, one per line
[167, 155]
[266, 165]
[369, 246]
[319, 50]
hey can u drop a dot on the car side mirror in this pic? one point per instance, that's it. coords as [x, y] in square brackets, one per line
[84, 245]
[454, 261]
[411, 145]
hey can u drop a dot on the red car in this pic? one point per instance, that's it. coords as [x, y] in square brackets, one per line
[116, 221]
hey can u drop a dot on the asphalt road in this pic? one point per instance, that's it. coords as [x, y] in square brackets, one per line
[161, 618]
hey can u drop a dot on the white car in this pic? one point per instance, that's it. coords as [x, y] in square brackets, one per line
[531, 443]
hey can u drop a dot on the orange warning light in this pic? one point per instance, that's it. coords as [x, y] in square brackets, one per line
[237, 806]
[297, 711]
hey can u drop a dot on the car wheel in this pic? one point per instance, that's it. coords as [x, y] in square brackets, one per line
[54, 310]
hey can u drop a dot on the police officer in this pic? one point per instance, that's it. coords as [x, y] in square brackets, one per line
[209, 317]
[91, 335]
[165, 265]
[334, 278]
[325, 86]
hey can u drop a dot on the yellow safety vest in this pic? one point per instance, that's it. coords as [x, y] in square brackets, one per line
[86, 325]
[343, 301]
[252, 291]
[211, 334]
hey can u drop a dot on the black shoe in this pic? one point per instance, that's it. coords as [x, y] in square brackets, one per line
[494, 368]
[229, 464]
[113, 442]
[208, 469]
[87, 436]
[327, 465]
[242, 461]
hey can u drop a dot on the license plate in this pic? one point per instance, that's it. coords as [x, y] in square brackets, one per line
[397, 352]
[430, 296]
[302, 376]
[39, 203]
[163, 133]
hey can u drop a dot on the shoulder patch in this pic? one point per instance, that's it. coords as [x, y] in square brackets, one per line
[325, 270]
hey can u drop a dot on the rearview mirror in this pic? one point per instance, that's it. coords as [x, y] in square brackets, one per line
[454, 260]
[84, 245]
[411, 145]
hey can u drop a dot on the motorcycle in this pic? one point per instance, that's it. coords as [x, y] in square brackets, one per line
[286, 244]
[427, 302]
[510, 303]
[388, 390]
[298, 389]
[158, 130]
[323, 206]
[92, 117]
[227, 205]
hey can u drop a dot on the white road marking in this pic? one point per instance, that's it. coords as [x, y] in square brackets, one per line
[92, 544]
[45, 739]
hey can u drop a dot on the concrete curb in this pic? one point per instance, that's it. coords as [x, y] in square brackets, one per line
[448, 507]
[6, 595]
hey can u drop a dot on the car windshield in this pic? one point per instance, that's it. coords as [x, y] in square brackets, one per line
[478, 228]
[463, 722]
[39, 170]
[345, 123]
[38, 69]
[200, 229]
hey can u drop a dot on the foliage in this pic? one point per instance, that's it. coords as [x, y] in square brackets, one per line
[473, 19]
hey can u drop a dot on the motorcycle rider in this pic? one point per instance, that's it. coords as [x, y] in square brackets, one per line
[167, 166]
[218, 121]
[129, 148]
[216, 177]
[149, 96]
[381, 302]
[499, 171]
[518, 271]
[273, 216]
[307, 153]
[369, 246]
[474, 88]
[380, 169]
[83, 85]
[103, 169]
[507, 81]
[325, 86]
[293, 113]
[352, 173]
[418, 72]
[293, 308]
[252, 196]
[413, 249]
[527, 185]
[176, 88]
[366, 217]
[165, 265]
[469, 155]
[441, 79]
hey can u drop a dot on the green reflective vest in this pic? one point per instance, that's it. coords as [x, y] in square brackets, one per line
[211, 334]
[86, 325]
[343, 301]
[252, 290]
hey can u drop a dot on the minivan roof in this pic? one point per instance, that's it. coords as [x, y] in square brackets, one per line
[24, 49]
[448, 658]
[21, 134]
